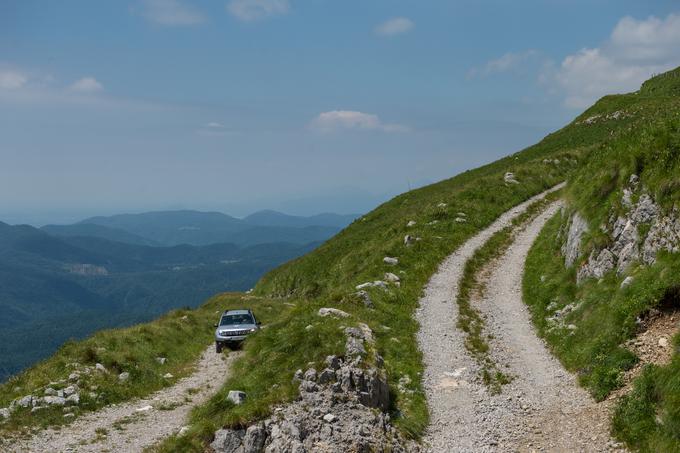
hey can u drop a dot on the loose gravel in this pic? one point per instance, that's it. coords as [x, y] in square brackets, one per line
[542, 409]
[135, 425]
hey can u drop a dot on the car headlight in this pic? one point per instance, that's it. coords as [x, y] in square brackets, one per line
[253, 330]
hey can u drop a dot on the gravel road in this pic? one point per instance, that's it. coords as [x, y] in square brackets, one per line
[135, 425]
[543, 409]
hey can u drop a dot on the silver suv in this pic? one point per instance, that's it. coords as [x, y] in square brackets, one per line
[234, 327]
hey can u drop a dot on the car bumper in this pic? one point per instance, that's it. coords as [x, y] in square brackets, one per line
[234, 339]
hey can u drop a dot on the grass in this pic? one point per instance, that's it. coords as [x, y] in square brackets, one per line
[180, 336]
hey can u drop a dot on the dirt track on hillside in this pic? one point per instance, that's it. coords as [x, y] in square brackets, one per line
[135, 425]
[543, 408]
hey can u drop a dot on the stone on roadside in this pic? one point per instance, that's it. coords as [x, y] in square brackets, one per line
[323, 312]
[236, 396]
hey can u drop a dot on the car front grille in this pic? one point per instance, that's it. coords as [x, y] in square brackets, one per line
[234, 333]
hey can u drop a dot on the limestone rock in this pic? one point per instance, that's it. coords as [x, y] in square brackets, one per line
[509, 178]
[236, 396]
[391, 260]
[323, 312]
[228, 441]
[572, 247]
[124, 376]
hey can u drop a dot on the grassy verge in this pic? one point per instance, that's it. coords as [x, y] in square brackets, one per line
[469, 318]
[180, 337]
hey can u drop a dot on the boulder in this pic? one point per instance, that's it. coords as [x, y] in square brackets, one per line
[53, 400]
[310, 375]
[254, 439]
[70, 390]
[124, 376]
[365, 298]
[323, 312]
[228, 441]
[49, 391]
[509, 178]
[626, 281]
[101, 368]
[572, 247]
[237, 397]
[392, 278]
[73, 399]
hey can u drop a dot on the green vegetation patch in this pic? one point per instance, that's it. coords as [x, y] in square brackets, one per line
[180, 337]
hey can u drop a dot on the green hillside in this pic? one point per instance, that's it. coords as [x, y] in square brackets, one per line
[608, 313]
[445, 214]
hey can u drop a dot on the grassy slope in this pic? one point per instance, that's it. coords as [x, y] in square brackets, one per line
[606, 317]
[180, 336]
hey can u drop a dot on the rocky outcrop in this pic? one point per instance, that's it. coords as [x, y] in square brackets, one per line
[628, 242]
[340, 408]
[572, 247]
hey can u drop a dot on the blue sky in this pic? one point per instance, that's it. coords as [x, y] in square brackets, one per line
[298, 105]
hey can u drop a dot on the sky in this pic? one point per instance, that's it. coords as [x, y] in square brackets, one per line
[304, 106]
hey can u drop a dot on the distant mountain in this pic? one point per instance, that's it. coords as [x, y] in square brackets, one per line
[168, 228]
[70, 286]
[99, 231]
[275, 218]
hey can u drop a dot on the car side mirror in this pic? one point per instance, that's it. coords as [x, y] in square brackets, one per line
[215, 326]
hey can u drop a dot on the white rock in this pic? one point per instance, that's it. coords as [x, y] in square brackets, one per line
[124, 376]
[168, 376]
[5, 412]
[161, 360]
[330, 418]
[236, 396]
[332, 312]
[100, 367]
[144, 408]
[73, 399]
[411, 223]
[54, 400]
[182, 431]
[49, 391]
[391, 260]
[509, 178]
[627, 281]
[390, 277]
[74, 376]
[460, 220]
[70, 390]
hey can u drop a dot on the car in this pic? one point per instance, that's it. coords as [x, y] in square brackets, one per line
[234, 327]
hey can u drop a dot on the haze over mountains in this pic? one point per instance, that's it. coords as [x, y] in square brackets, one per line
[167, 228]
[67, 281]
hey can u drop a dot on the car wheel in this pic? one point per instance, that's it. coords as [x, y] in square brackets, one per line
[218, 348]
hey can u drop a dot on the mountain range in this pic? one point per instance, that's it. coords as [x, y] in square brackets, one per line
[168, 228]
[67, 281]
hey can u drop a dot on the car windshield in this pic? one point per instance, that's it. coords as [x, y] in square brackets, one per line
[236, 319]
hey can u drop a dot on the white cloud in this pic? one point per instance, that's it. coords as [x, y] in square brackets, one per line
[394, 26]
[250, 10]
[635, 50]
[171, 13]
[336, 120]
[86, 85]
[11, 79]
[508, 62]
